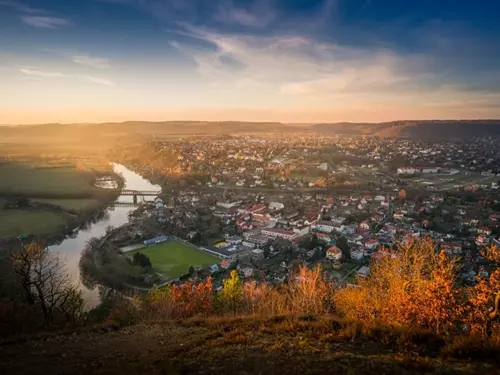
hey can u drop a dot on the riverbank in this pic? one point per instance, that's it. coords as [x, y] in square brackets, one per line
[32, 213]
[51, 217]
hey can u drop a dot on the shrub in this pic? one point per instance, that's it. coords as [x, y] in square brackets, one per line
[474, 348]
[413, 287]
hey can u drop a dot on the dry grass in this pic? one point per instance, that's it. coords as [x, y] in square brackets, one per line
[253, 344]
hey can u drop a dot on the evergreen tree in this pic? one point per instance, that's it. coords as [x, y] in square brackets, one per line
[142, 260]
[344, 246]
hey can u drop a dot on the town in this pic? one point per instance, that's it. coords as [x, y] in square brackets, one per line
[267, 205]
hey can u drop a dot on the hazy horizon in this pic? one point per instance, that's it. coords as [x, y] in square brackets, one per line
[256, 122]
[293, 62]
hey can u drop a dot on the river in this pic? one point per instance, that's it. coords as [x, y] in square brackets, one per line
[71, 247]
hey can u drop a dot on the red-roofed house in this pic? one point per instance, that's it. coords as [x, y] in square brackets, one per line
[495, 217]
[371, 244]
[334, 253]
[484, 230]
[255, 208]
[323, 237]
[363, 226]
[281, 233]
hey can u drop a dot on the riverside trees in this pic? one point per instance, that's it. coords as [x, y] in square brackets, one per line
[45, 285]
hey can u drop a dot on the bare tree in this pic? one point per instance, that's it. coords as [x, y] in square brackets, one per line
[45, 284]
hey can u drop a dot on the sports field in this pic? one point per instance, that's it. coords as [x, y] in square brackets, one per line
[173, 258]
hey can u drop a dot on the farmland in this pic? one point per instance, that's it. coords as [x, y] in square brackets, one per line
[16, 222]
[72, 204]
[25, 180]
[173, 258]
[25, 187]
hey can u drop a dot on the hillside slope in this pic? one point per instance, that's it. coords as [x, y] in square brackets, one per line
[244, 346]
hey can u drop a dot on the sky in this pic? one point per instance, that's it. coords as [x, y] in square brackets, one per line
[256, 60]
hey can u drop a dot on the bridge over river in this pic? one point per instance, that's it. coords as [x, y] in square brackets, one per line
[139, 193]
[145, 193]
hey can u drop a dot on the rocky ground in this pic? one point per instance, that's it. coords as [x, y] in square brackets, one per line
[222, 347]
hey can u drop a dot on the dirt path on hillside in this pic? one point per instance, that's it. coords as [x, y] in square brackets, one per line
[176, 349]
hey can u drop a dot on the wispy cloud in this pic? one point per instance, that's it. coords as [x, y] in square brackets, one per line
[40, 73]
[310, 73]
[296, 64]
[45, 22]
[100, 81]
[21, 7]
[35, 17]
[94, 62]
[258, 15]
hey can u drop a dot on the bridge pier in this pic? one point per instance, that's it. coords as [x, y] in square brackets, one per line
[135, 198]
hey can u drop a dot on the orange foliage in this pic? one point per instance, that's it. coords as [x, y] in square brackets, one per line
[308, 293]
[482, 308]
[413, 288]
[181, 301]
[320, 182]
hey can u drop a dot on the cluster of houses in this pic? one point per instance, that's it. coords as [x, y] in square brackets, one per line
[368, 222]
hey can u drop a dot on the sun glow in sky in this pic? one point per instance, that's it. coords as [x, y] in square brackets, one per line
[255, 60]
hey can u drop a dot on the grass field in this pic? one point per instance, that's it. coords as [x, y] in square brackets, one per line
[71, 204]
[20, 179]
[16, 222]
[173, 258]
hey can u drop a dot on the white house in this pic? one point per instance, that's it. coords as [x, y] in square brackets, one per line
[228, 204]
[323, 166]
[408, 170]
[281, 233]
[430, 170]
[276, 205]
[357, 254]
[257, 254]
[301, 231]
[363, 272]
[325, 226]
[246, 272]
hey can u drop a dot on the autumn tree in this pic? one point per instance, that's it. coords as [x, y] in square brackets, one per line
[308, 293]
[231, 294]
[45, 284]
[413, 286]
[439, 311]
[483, 308]
[402, 194]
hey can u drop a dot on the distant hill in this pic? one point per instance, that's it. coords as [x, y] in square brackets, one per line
[416, 129]
[106, 131]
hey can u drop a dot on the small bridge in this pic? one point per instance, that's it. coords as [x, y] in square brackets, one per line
[140, 193]
[144, 193]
